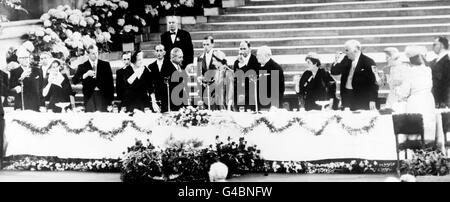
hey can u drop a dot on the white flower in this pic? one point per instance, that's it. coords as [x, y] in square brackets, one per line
[47, 38]
[107, 36]
[76, 36]
[95, 17]
[100, 2]
[83, 23]
[114, 7]
[90, 20]
[87, 41]
[45, 16]
[40, 33]
[127, 28]
[111, 30]
[123, 4]
[87, 13]
[98, 25]
[100, 38]
[143, 22]
[52, 12]
[28, 45]
[68, 33]
[136, 29]
[47, 23]
[121, 22]
[48, 31]
[109, 14]
[74, 19]
[60, 15]
[168, 6]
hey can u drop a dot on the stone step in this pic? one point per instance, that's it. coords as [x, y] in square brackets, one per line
[316, 23]
[316, 40]
[333, 6]
[284, 2]
[295, 50]
[318, 31]
[335, 14]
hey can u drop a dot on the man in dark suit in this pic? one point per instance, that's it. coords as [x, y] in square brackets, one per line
[178, 38]
[178, 81]
[97, 79]
[244, 89]
[126, 57]
[161, 71]
[440, 69]
[271, 80]
[26, 81]
[205, 64]
[359, 89]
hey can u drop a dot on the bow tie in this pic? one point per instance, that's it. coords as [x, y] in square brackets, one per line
[173, 33]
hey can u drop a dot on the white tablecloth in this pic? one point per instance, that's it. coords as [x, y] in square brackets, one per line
[295, 143]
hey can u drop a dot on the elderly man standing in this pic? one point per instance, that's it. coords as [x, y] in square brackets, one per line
[176, 37]
[98, 83]
[26, 82]
[271, 79]
[359, 89]
[178, 81]
[246, 62]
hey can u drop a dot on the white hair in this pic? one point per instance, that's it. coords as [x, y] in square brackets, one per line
[353, 44]
[265, 51]
[218, 172]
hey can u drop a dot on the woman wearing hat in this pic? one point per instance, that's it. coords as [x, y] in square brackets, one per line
[316, 84]
[397, 72]
[58, 88]
[416, 89]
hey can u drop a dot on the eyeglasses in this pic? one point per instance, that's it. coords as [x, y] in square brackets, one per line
[126, 59]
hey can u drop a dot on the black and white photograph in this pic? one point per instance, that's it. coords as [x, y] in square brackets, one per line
[235, 91]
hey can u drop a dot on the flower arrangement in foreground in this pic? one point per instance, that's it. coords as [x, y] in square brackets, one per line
[186, 161]
[34, 163]
[426, 162]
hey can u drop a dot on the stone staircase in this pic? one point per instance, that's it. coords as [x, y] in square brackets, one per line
[292, 28]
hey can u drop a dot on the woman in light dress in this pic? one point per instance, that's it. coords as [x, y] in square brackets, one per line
[397, 74]
[416, 89]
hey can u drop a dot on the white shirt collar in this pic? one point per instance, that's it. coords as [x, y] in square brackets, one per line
[355, 62]
[246, 59]
[159, 63]
[93, 62]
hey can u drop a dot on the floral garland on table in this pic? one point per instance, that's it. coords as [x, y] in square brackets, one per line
[89, 127]
[35, 163]
[302, 123]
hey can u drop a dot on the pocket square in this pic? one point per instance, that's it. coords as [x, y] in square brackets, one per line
[37, 77]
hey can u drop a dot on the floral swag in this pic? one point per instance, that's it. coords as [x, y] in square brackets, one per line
[89, 127]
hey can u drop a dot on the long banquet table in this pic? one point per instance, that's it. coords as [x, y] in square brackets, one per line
[284, 136]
